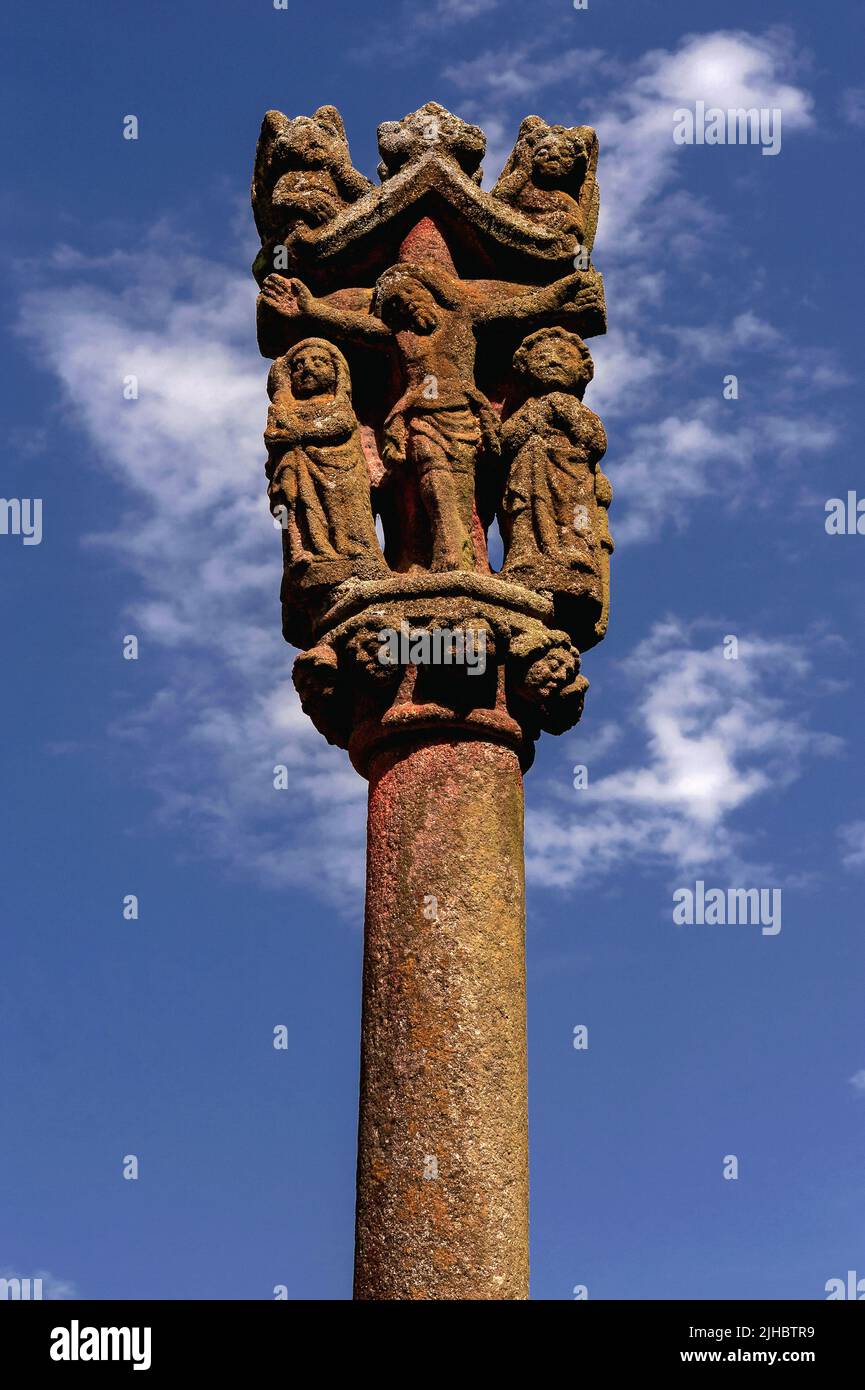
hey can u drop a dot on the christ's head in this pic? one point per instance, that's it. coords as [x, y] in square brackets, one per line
[412, 296]
[409, 304]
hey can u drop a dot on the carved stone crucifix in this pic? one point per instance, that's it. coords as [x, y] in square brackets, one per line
[429, 369]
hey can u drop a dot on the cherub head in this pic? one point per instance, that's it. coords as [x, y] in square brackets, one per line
[559, 156]
[431, 128]
[562, 154]
[555, 360]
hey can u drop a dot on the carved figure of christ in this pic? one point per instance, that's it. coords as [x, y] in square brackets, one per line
[442, 424]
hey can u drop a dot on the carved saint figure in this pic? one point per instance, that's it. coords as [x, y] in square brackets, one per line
[316, 466]
[441, 426]
[551, 176]
[554, 511]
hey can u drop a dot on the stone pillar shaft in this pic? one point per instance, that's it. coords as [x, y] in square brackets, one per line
[442, 1206]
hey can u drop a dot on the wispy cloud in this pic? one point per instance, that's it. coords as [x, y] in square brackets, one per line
[501, 75]
[706, 451]
[183, 465]
[674, 443]
[411, 27]
[712, 735]
[853, 106]
[852, 837]
[453, 11]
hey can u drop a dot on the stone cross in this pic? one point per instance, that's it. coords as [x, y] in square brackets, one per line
[429, 366]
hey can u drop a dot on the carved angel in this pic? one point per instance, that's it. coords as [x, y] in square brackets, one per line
[303, 173]
[551, 175]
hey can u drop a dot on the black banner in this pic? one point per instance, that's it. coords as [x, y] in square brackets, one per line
[85, 1339]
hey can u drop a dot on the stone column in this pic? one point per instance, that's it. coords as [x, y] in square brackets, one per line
[442, 1193]
[429, 367]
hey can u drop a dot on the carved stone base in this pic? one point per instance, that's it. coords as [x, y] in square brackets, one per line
[462, 655]
[576, 594]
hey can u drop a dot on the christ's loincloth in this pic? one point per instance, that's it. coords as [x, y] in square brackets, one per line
[453, 430]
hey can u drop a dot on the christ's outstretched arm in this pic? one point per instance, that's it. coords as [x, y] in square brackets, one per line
[292, 299]
[572, 294]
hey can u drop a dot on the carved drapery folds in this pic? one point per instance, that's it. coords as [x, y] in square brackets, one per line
[429, 365]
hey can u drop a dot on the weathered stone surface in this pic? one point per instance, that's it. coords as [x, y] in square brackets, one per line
[433, 126]
[443, 1052]
[319, 484]
[356, 698]
[340, 231]
[429, 370]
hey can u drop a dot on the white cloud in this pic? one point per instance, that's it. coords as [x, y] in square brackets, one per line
[698, 448]
[520, 70]
[184, 467]
[857, 1081]
[457, 11]
[626, 364]
[714, 734]
[632, 107]
[703, 453]
[409, 25]
[672, 462]
[853, 106]
[785, 370]
[714, 341]
[852, 838]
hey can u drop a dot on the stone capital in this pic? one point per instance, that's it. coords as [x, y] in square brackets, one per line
[450, 655]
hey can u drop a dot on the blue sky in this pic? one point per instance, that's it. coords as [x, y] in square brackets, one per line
[154, 777]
